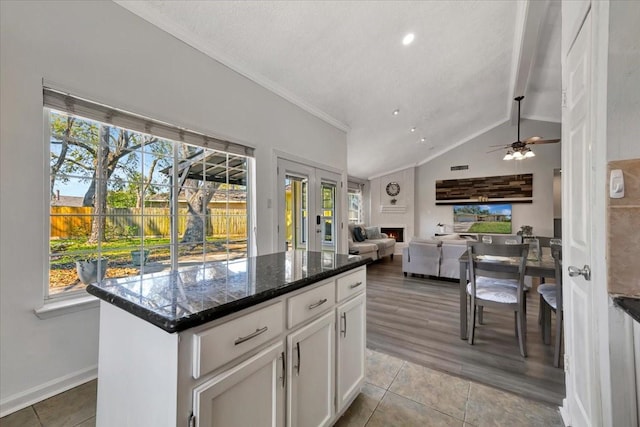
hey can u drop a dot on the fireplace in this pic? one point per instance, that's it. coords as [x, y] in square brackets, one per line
[394, 232]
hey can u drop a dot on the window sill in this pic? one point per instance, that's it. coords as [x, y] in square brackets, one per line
[71, 305]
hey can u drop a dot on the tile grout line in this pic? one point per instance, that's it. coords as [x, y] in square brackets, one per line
[386, 390]
[466, 404]
[427, 406]
[33, 408]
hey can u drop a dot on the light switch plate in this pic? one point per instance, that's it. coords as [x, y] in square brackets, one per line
[616, 184]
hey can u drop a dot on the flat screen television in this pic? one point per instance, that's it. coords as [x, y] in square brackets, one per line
[482, 218]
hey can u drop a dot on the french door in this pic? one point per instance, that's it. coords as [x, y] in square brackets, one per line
[309, 207]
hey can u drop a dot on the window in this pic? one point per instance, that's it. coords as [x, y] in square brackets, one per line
[126, 202]
[355, 203]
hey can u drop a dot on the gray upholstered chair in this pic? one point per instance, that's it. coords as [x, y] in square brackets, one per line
[498, 288]
[422, 257]
[551, 300]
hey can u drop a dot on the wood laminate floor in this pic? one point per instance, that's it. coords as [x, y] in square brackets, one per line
[417, 319]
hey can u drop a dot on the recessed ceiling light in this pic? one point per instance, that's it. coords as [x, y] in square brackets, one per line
[422, 139]
[396, 112]
[413, 129]
[408, 39]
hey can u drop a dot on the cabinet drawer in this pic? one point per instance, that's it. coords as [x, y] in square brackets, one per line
[351, 284]
[310, 303]
[216, 346]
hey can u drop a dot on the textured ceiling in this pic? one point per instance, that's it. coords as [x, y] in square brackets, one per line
[344, 62]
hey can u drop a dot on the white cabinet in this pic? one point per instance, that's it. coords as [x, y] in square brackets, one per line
[311, 373]
[249, 394]
[296, 359]
[351, 344]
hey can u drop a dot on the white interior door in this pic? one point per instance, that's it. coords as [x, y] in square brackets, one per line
[581, 405]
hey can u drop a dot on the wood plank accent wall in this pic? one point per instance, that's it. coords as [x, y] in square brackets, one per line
[492, 187]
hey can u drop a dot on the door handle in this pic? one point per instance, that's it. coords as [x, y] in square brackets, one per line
[584, 271]
[284, 369]
[344, 331]
[298, 366]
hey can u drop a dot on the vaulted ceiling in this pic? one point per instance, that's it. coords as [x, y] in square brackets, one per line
[345, 62]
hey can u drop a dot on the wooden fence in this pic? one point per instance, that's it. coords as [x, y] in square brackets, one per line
[75, 222]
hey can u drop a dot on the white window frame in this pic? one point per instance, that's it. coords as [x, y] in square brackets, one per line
[64, 302]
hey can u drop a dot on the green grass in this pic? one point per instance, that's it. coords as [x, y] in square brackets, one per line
[67, 251]
[490, 227]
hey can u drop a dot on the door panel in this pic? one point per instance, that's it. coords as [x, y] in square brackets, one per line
[351, 347]
[311, 373]
[224, 400]
[580, 327]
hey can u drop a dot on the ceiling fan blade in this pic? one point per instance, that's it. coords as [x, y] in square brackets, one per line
[532, 139]
[544, 141]
[501, 145]
[498, 149]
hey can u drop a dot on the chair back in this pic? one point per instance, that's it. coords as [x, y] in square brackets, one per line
[498, 269]
[556, 253]
[501, 239]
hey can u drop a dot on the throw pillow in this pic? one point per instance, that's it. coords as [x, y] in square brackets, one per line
[359, 234]
[373, 232]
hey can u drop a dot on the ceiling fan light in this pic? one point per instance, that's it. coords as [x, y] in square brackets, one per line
[517, 155]
[529, 154]
[508, 156]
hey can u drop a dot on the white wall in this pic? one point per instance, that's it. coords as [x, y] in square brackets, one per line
[623, 88]
[101, 51]
[623, 128]
[539, 214]
[405, 199]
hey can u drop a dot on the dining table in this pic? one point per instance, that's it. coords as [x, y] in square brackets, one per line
[542, 267]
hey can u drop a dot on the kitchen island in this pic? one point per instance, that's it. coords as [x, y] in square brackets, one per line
[271, 340]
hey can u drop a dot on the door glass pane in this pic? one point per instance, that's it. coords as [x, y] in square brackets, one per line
[328, 216]
[296, 212]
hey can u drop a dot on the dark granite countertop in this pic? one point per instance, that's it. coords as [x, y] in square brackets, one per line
[630, 305]
[192, 296]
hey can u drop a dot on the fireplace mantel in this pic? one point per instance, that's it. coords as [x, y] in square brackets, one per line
[396, 209]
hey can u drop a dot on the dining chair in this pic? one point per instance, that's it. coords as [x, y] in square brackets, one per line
[494, 285]
[551, 300]
[545, 242]
[499, 239]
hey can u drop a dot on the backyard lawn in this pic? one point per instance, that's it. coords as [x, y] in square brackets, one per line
[491, 227]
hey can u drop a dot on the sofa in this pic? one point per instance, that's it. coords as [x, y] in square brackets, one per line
[436, 256]
[370, 242]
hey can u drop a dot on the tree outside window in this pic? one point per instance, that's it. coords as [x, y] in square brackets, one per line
[132, 203]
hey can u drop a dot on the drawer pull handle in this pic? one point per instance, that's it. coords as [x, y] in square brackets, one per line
[251, 335]
[355, 285]
[317, 304]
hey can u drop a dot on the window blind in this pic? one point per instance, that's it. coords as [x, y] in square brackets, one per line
[91, 110]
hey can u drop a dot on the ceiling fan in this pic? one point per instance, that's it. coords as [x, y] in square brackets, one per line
[520, 149]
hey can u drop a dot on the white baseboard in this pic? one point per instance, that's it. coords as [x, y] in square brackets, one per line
[564, 414]
[44, 391]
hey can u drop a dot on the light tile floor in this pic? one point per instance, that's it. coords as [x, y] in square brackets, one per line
[397, 393]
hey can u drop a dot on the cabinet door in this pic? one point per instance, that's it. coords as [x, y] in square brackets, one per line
[351, 347]
[311, 373]
[249, 394]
